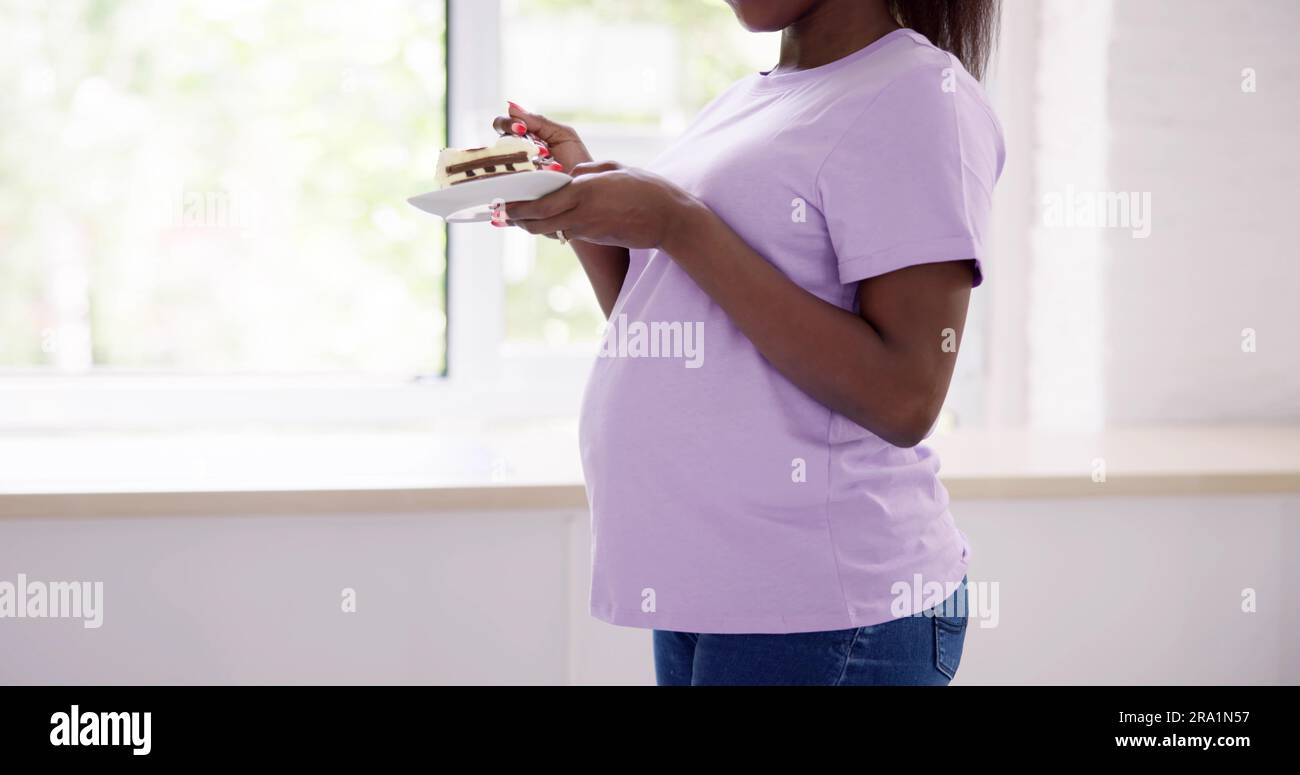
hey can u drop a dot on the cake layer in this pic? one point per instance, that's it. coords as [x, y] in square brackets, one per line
[505, 157]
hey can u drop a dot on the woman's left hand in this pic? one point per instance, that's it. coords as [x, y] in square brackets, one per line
[607, 204]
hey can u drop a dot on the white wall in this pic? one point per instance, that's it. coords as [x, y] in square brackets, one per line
[1147, 98]
[1223, 169]
[1100, 590]
[475, 598]
[1136, 590]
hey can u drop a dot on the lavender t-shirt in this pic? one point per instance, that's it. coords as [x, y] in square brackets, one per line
[725, 499]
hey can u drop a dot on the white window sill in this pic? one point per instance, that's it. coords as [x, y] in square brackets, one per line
[536, 466]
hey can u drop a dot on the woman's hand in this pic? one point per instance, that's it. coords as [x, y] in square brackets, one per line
[605, 266]
[561, 141]
[608, 204]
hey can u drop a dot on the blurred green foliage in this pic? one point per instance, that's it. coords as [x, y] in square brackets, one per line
[217, 186]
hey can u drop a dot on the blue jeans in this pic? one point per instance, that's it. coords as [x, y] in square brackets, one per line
[920, 650]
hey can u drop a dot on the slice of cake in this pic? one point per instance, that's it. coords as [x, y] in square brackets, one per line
[510, 154]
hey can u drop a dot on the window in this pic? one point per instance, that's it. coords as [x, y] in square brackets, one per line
[206, 186]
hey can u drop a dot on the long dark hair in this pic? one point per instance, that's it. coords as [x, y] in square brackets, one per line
[965, 28]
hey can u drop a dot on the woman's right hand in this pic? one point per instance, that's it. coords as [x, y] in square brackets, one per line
[564, 144]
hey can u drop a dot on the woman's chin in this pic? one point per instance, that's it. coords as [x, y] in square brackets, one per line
[768, 15]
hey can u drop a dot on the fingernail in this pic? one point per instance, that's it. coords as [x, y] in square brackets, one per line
[543, 152]
[499, 224]
[555, 165]
[519, 128]
[515, 107]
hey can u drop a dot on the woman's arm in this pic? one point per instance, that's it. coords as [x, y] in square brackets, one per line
[886, 369]
[606, 268]
[605, 265]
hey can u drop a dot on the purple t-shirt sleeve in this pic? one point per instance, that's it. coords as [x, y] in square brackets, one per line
[911, 180]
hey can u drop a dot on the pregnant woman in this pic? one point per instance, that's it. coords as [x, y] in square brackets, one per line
[761, 502]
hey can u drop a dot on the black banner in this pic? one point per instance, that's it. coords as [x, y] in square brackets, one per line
[205, 725]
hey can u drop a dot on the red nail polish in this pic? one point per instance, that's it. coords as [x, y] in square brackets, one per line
[543, 152]
[499, 224]
[519, 128]
[555, 165]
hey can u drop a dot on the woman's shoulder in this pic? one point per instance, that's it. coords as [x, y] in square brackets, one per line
[910, 49]
[913, 83]
[911, 64]
[916, 100]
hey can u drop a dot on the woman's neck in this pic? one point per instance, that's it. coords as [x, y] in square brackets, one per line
[832, 30]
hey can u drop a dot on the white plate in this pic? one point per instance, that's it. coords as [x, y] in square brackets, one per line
[472, 201]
